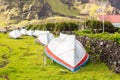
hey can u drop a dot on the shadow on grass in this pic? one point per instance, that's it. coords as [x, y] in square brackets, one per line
[3, 63]
[5, 77]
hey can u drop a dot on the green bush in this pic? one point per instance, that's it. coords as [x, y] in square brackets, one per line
[109, 27]
[29, 27]
[55, 27]
[33, 27]
[97, 26]
[87, 31]
[118, 30]
[117, 37]
[50, 26]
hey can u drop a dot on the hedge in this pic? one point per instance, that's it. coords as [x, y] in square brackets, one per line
[98, 26]
[56, 27]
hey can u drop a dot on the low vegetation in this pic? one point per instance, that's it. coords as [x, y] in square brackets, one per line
[53, 19]
[97, 26]
[105, 36]
[25, 62]
[62, 8]
[56, 27]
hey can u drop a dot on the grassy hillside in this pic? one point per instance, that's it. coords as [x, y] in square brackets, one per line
[93, 9]
[47, 20]
[22, 59]
[104, 36]
[13, 11]
[59, 7]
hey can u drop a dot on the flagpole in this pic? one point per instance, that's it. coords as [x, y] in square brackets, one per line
[103, 20]
[104, 4]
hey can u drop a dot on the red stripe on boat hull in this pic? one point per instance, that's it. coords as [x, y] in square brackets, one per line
[63, 62]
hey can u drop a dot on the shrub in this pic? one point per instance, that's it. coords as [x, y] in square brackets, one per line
[97, 26]
[109, 27]
[33, 27]
[50, 26]
[29, 27]
[117, 37]
[87, 31]
[118, 30]
[56, 27]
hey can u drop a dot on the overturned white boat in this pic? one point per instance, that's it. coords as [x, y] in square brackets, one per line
[38, 32]
[45, 38]
[15, 34]
[67, 51]
[23, 31]
[30, 32]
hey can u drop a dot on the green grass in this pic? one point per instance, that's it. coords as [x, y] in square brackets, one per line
[54, 19]
[103, 36]
[25, 62]
[59, 7]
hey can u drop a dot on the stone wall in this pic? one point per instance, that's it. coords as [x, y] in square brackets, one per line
[107, 51]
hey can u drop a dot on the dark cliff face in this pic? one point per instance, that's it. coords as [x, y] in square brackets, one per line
[84, 1]
[45, 11]
[115, 3]
[68, 2]
[13, 11]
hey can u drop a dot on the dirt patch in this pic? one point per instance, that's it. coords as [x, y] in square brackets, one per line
[9, 48]
[3, 64]
[46, 11]
[5, 77]
[2, 45]
[4, 56]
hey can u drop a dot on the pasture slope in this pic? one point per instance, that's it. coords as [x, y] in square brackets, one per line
[22, 59]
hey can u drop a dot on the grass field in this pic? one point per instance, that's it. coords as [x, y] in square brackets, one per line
[104, 36]
[59, 7]
[22, 59]
[53, 19]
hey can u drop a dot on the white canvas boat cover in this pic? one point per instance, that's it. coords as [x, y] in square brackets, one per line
[15, 34]
[44, 38]
[29, 32]
[23, 31]
[67, 51]
[38, 32]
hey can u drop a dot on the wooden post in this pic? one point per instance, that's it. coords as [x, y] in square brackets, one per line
[45, 62]
[45, 59]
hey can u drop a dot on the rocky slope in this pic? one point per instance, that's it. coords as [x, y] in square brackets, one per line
[116, 5]
[13, 11]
